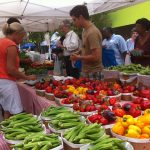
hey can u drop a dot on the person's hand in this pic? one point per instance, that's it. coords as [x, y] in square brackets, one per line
[74, 57]
[31, 77]
[104, 46]
[59, 44]
[137, 52]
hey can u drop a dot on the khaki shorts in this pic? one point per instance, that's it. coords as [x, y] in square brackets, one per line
[10, 97]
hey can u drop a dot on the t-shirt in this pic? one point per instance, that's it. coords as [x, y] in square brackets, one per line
[118, 44]
[4, 44]
[91, 39]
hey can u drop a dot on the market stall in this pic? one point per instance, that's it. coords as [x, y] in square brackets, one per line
[84, 101]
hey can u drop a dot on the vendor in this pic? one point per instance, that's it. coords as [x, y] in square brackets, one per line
[9, 65]
[141, 52]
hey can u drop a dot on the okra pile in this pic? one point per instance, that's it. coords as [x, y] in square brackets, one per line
[19, 126]
[107, 143]
[39, 141]
[83, 133]
[133, 68]
[52, 111]
[65, 120]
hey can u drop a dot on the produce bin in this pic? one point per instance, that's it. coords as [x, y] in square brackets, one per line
[126, 96]
[111, 75]
[40, 92]
[128, 146]
[50, 96]
[138, 144]
[144, 80]
[128, 79]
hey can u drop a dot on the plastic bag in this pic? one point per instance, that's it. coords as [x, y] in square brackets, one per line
[128, 59]
[58, 70]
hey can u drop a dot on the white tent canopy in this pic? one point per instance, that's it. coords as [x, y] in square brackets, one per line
[46, 15]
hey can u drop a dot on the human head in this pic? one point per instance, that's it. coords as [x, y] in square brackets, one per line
[79, 14]
[142, 25]
[12, 20]
[134, 33]
[14, 30]
[65, 26]
[107, 32]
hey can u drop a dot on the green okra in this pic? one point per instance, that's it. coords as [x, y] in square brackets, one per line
[119, 145]
[101, 147]
[85, 141]
[21, 136]
[47, 146]
[8, 131]
[20, 145]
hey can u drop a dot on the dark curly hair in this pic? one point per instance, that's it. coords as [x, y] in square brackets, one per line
[80, 10]
[145, 23]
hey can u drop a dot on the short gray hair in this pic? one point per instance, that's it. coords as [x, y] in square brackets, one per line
[66, 23]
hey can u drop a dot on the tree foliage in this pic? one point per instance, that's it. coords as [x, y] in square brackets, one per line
[36, 37]
[101, 20]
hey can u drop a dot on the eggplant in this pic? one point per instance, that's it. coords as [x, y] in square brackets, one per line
[109, 115]
[127, 106]
[91, 92]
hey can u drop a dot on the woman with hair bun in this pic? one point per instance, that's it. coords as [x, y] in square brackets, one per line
[9, 65]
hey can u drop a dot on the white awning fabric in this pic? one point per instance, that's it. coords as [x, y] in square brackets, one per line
[46, 15]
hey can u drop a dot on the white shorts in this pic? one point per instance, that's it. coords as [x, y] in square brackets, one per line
[10, 97]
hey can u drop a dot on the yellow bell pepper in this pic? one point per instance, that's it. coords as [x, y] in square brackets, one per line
[147, 111]
[146, 130]
[139, 124]
[118, 128]
[127, 120]
[135, 128]
[132, 133]
[145, 119]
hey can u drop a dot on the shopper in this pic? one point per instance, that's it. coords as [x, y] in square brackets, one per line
[143, 40]
[141, 52]
[91, 52]
[116, 43]
[131, 41]
[9, 65]
[69, 46]
[9, 21]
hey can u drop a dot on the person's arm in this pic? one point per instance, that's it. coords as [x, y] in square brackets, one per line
[11, 65]
[93, 57]
[122, 46]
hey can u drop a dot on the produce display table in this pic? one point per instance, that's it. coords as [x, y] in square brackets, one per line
[32, 103]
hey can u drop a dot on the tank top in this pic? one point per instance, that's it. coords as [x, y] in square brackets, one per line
[4, 44]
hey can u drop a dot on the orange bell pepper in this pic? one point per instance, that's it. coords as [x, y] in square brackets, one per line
[144, 136]
[118, 128]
